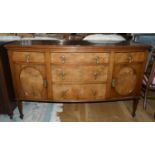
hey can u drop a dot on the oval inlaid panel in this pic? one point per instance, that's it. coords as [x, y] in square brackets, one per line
[125, 81]
[32, 82]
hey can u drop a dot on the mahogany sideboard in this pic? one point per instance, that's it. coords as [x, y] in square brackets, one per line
[76, 71]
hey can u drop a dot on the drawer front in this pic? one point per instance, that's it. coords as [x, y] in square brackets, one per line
[28, 57]
[79, 92]
[79, 73]
[79, 58]
[129, 57]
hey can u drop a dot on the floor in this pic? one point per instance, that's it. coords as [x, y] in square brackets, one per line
[107, 112]
[35, 112]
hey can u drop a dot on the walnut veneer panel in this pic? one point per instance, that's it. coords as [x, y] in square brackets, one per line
[127, 77]
[30, 81]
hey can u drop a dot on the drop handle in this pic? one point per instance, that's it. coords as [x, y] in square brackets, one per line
[113, 83]
[97, 59]
[130, 59]
[95, 75]
[62, 58]
[94, 92]
[27, 58]
[26, 93]
[62, 74]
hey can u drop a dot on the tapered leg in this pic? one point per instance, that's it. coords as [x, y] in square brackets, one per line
[135, 104]
[20, 108]
[11, 116]
[145, 98]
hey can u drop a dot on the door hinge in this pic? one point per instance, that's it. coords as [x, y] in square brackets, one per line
[45, 83]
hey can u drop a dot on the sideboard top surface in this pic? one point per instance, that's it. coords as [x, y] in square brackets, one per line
[74, 44]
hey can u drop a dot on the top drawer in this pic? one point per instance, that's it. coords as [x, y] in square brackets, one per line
[129, 57]
[28, 57]
[79, 58]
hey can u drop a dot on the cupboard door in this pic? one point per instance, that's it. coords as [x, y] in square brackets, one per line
[31, 81]
[125, 81]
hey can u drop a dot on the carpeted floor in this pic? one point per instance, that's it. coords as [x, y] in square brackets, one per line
[36, 112]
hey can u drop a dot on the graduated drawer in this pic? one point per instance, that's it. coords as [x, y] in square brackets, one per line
[129, 57]
[28, 57]
[79, 92]
[67, 73]
[79, 58]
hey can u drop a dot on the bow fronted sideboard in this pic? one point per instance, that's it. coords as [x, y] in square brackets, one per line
[76, 71]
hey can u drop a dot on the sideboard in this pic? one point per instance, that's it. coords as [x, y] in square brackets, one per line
[76, 71]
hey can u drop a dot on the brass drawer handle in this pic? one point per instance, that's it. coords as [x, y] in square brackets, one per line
[62, 75]
[95, 75]
[130, 59]
[97, 59]
[94, 92]
[63, 59]
[113, 83]
[26, 93]
[27, 58]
